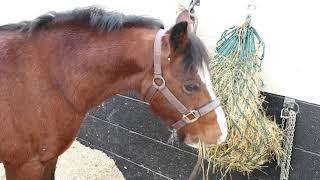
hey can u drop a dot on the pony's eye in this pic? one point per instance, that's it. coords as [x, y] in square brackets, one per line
[190, 87]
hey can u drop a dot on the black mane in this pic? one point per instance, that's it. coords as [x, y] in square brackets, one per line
[94, 17]
[195, 53]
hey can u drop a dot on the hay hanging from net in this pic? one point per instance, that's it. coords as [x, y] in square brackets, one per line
[253, 138]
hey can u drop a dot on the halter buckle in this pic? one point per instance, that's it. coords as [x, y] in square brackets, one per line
[190, 116]
[158, 77]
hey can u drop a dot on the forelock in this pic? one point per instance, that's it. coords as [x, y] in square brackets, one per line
[195, 54]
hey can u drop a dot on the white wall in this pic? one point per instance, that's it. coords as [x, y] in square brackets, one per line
[290, 29]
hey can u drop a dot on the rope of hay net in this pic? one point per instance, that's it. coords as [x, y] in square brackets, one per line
[253, 138]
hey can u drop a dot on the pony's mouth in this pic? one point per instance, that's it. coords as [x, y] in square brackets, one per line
[192, 142]
[196, 145]
[196, 142]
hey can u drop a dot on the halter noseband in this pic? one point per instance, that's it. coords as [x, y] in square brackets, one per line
[188, 116]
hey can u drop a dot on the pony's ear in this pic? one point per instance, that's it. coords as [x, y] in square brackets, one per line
[178, 37]
[184, 15]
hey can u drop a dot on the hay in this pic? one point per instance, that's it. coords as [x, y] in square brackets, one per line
[253, 138]
[83, 163]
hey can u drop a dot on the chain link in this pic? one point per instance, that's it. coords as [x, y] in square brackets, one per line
[173, 139]
[288, 125]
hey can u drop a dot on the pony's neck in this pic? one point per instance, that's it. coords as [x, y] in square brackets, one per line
[90, 67]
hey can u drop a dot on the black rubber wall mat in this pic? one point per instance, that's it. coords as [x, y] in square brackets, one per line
[126, 130]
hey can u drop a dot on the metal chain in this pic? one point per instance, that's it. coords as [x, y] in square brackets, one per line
[173, 139]
[288, 116]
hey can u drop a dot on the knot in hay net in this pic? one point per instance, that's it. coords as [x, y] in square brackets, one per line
[253, 138]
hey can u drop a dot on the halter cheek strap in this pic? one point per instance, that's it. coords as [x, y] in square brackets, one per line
[159, 84]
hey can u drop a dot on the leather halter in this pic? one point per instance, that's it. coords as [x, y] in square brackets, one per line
[188, 116]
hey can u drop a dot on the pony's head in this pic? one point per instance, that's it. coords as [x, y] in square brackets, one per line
[179, 88]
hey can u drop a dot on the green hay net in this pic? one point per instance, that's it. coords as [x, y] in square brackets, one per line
[253, 138]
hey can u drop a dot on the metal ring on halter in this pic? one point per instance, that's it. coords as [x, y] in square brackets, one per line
[158, 77]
